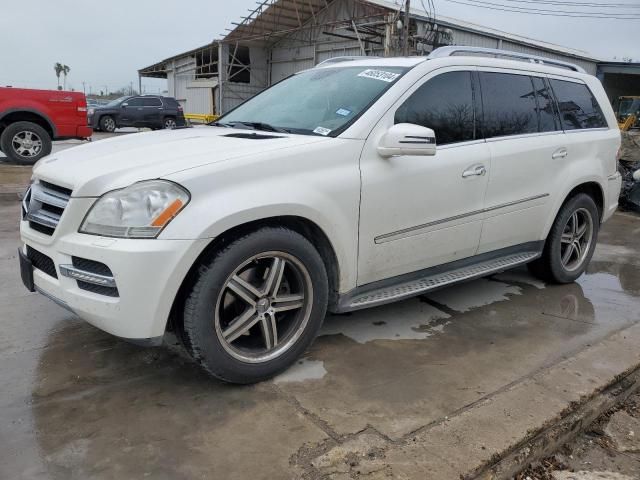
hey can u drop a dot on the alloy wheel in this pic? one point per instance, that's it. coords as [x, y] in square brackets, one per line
[263, 307]
[170, 123]
[576, 239]
[109, 124]
[27, 144]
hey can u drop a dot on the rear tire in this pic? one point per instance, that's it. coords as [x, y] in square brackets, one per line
[256, 305]
[25, 142]
[107, 124]
[169, 123]
[571, 242]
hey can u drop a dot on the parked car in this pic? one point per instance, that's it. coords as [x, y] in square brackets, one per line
[31, 119]
[149, 111]
[346, 186]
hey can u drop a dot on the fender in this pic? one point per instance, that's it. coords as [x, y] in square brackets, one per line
[562, 197]
[35, 112]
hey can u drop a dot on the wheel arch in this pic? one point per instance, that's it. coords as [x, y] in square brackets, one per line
[27, 115]
[305, 227]
[591, 187]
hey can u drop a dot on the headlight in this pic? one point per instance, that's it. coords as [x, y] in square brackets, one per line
[90, 111]
[141, 210]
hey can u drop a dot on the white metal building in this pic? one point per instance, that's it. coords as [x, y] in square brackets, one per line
[281, 37]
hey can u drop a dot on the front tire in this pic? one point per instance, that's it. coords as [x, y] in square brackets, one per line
[107, 124]
[256, 306]
[25, 142]
[571, 242]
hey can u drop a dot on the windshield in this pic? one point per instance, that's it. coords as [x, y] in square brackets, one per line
[116, 102]
[628, 106]
[322, 101]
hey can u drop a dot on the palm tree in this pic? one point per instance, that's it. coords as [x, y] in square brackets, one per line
[59, 68]
[65, 71]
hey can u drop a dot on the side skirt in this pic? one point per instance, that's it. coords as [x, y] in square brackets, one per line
[427, 280]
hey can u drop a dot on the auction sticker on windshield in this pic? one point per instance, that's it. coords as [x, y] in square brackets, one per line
[379, 75]
[322, 131]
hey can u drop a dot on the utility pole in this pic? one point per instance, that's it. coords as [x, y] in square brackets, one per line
[84, 90]
[405, 29]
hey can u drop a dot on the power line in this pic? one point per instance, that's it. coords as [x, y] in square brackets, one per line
[548, 13]
[578, 4]
[547, 10]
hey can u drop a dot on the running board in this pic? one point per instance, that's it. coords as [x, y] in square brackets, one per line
[433, 281]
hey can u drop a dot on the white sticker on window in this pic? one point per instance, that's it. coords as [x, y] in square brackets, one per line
[343, 112]
[379, 75]
[322, 130]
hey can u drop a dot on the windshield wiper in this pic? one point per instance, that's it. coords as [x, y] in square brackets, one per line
[258, 126]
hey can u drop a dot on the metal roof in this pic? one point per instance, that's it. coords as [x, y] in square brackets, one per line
[159, 69]
[492, 32]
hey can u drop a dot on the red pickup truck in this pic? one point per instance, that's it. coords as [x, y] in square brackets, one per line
[31, 119]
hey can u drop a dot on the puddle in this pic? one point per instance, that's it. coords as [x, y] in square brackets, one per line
[478, 293]
[398, 321]
[520, 276]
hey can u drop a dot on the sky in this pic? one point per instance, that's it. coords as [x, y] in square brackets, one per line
[105, 43]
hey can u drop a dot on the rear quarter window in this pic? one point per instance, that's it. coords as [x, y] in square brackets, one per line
[579, 109]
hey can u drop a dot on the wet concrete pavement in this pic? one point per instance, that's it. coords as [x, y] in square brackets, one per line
[78, 403]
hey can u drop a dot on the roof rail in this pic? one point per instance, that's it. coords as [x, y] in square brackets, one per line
[347, 58]
[453, 50]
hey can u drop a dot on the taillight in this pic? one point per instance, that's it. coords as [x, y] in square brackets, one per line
[180, 108]
[82, 109]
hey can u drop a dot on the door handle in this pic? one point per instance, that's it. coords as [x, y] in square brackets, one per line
[475, 171]
[560, 153]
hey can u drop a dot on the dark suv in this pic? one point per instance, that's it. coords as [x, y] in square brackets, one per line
[137, 111]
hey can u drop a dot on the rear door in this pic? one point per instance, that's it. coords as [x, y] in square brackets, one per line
[152, 111]
[528, 157]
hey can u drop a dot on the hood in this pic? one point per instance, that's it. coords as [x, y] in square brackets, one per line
[97, 167]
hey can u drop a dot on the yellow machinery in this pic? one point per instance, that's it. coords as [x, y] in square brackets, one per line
[628, 112]
[200, 118]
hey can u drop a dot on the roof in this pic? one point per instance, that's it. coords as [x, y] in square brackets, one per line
[159, 69]
[475, 28]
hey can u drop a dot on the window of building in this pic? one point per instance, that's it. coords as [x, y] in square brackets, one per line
[239, 61]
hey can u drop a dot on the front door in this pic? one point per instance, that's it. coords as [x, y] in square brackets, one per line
[420, 211]
[132, 112]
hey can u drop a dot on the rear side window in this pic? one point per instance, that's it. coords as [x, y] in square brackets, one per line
[134, 102]
[548, 115]
[578, 107]
[510, 106]
[170, 102]
[445, 104]
[151, 102]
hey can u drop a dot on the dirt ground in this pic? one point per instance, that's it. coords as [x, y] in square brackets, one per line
[432, 387]
[608, 450]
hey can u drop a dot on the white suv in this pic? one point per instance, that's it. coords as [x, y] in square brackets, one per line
[326, 191]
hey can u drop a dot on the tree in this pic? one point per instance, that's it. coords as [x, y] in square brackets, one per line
[65, 71]
[59, 68]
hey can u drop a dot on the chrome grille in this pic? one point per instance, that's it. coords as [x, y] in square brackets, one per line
[43, 205]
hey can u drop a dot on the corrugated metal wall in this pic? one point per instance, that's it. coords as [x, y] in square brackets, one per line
[293, 54]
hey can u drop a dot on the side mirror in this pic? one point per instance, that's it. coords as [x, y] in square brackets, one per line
[407, 139]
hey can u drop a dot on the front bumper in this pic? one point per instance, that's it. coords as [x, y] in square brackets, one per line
[147, 273]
